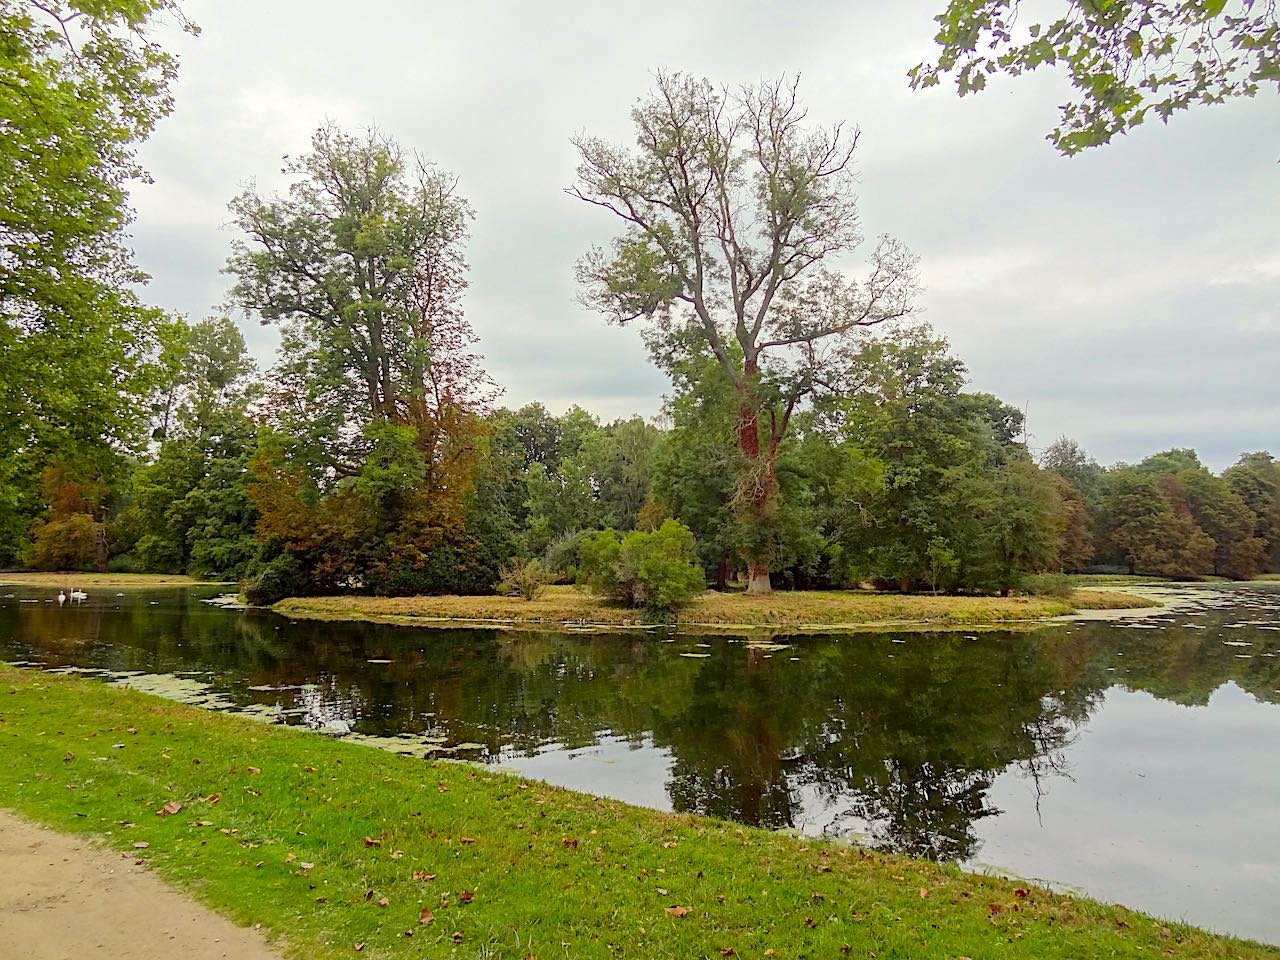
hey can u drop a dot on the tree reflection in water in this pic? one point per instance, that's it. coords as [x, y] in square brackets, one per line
[894, 740]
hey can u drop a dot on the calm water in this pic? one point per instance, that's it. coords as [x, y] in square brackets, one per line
[1138, 760]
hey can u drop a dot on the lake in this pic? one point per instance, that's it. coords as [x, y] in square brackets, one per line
[1137, 760]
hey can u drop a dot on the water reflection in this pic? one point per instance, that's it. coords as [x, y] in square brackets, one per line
[897, 741]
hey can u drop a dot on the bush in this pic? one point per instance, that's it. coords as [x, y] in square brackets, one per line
[560, 560]
[280, 577]
[523, 578]
[657, 570]
[1049, 585]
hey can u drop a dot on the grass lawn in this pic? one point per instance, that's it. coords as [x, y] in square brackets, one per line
[789, 611]
[86, 580]
[339, 848]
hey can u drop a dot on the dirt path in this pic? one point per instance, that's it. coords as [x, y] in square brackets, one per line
[63, 898]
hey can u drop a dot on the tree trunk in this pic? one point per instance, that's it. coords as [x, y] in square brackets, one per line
[756, 496]
[101, 549]
[758, 578]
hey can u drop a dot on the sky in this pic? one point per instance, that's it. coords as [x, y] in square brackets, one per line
[1128, 297]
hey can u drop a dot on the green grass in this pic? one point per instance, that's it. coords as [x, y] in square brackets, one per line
[788, 611]
[308, 836]
[1267, 576]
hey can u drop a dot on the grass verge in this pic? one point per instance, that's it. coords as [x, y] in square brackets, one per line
[338, 848]
[87, 580]
[782, 611]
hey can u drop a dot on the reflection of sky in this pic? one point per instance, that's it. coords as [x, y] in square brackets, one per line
[636, 772]
[1152, 815]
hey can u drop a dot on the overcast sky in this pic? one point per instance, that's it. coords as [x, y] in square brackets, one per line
[1128, 297]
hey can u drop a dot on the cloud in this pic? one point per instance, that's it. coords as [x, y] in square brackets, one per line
[1128, 296]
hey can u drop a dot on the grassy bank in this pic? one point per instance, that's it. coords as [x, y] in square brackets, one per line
[787, 611]
[336, 847]
[84, 581]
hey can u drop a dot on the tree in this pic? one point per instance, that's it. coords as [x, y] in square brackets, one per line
[735, 213]
[193, 513]
[361, 266]
[1255, 478]
[1127, 59]
[1227, 520]
[378, 400]
[948, 496]
[83, 85]
[1148, 534]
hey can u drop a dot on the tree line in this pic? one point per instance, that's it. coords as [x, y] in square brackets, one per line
[816, 434]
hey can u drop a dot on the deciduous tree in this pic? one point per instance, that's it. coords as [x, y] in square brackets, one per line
[736, 212]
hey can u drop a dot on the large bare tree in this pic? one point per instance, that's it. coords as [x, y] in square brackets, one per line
[737, 216]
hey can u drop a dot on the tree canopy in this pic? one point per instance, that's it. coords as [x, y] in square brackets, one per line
[1128, 60]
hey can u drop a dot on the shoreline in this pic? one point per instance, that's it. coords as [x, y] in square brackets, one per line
[123, 581]
[336, 846]
[780, 613]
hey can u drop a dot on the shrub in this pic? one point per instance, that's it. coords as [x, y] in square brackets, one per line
[280, 577]
[560, 560]
[658, 570]
[1048, 585]
[523, 578]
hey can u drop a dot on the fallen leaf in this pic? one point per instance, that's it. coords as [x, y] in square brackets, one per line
[426, 916]
[69, 757]
[290, 858]
[662, 891]
[810, 922]
[309, 769]
[213, 798]
[254, 770]
[678, 911]
[132, 730]
[727, 952]
[1020, 891]
[370, 842]
[457, 936]
[441, 787]
[250, 790]
[822, 868]
[140, 844]
[359, 946]
[423, 875]
[397, 854]
[306, 866]
[126, 825]
[771, 952]
[668, 844]
[384, 902]
[466, 840]
[570, 841]
[466, 896]
[170, 808]
[924, 892]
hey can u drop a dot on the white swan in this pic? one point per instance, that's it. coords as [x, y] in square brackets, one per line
[62, 598]
[78, 594]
